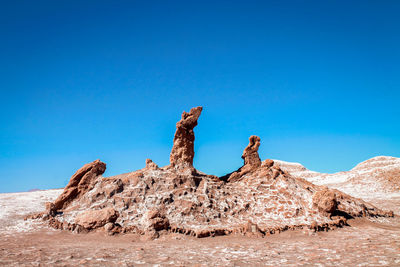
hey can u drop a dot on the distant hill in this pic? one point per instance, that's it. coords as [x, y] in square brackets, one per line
[373, 180]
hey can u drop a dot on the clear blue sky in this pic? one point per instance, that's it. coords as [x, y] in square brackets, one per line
[318, 81]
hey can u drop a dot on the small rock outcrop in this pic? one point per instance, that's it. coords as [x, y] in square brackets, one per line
[92, 219]
[151, 165]
[182, 152]
[325, 200]
[79, 184]
[250, 153]
[251, 160]
[157, 221]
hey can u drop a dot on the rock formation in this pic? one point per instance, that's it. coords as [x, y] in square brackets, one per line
[325, 201]
[182, 152]
[92, 219]
[151, 165]
[250, 153]
[81, 182]
[251, 160]
[375, 180]
[258, 199]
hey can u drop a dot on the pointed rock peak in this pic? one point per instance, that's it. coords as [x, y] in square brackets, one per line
[182, 152]
[251, 159]
[189, 120]
[150, 165]
[250, 153]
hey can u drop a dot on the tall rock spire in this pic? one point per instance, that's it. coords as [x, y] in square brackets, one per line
[250, 153]
[251, 159]
[182, 152]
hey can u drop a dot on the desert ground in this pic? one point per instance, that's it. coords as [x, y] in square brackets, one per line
[365, 242]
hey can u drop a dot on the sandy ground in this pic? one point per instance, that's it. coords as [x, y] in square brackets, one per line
[365, 242]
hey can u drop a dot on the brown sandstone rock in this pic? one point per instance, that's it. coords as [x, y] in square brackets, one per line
[80, 183]
[183, 149]
[250, 153]
[50, 209]
[92, 219]
[157, 221]
[325, 200]
[258, 199]
[150, 165]
[357, 207]
[251, 160]
[268, 163]
[110, 228]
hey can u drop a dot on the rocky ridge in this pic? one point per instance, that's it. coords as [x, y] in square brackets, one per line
[378, 177]
[260, 198]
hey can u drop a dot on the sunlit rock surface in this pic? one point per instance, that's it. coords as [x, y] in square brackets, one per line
[258, 199]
